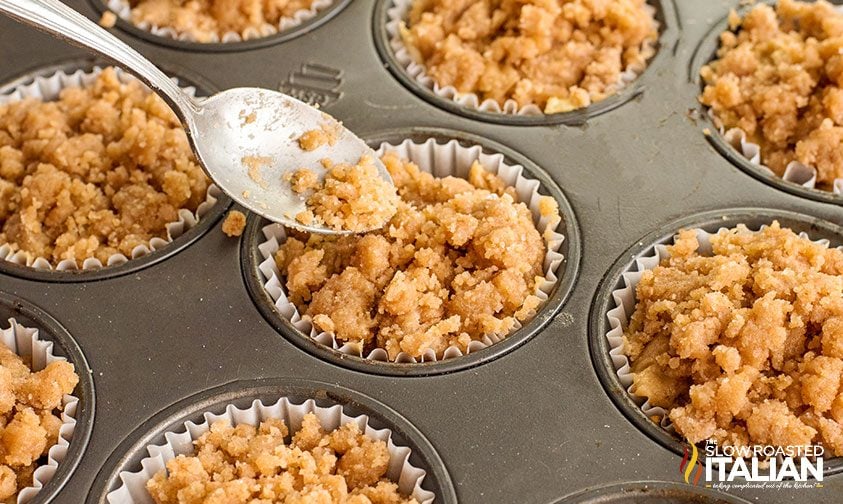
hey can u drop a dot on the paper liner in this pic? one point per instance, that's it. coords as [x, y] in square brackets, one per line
[124, 11]
[48, 89]
[133, 484]
[441, 160]
[625, 301]
[795, 172]
[397, 14]
[25, 342]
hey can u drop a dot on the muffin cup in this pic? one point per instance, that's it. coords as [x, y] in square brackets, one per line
[133, 488]
[441, 160]
[397, 13]
[795, 172]
[124, 11]
[47, 88]
[625, 302]
[25, 342]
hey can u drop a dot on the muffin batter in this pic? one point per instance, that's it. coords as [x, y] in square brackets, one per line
[209, 20]
[459, 260]
[779, 78]
[97, 172]
[745, 345]
[560, 55]
[30, 405]
[242, 463]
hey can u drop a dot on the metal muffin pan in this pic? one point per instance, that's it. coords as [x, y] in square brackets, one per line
[533, 425]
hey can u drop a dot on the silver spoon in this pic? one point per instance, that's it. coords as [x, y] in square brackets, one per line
[231, 132]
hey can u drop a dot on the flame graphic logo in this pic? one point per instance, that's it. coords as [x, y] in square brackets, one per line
[690, 463]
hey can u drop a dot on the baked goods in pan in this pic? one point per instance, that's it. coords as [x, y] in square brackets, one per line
[97, 172]
[244, 464]
[778, 77]
[460, 259]
[559, 55]
[743, 344]
[30, 414]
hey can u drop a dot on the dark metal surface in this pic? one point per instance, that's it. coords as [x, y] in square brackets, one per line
[531, 426]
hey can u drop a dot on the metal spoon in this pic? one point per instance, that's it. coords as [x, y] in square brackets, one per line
[231, 131]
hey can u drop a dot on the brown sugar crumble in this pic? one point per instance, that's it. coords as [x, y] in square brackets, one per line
[327, 134]
[559, 55]
[30, 405]
[108, 19]
[779, 78]
[744, 345]
[234, 223]
[459, 260]
[302, 180]
[97, 172]
[253, 166]
[248, 464]
[350, 198]
[209, 20]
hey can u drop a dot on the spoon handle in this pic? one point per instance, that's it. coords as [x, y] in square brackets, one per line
[59, 20]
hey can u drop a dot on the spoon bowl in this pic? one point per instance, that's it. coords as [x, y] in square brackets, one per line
[248, 138]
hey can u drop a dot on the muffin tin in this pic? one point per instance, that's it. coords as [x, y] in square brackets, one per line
[532, 419]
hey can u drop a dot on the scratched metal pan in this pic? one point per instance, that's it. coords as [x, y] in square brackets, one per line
[538, 423]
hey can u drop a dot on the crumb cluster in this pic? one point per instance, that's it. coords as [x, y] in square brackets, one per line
[209, 20]
[327, 134]
[234, 223]
[559, 55]
[460, 259]
[248, 464]
[97, 172]
[30, 410]
[778, 76]
[349, 198]
[744, 345]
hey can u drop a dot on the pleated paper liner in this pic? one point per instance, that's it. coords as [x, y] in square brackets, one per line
[795, 172]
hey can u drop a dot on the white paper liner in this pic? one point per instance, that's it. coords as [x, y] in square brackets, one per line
[133, 484]
[625, 301]
[25, 342]
[124, 11]
[398, 13]
[441, 160]
[48, 89]
[795, 172]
